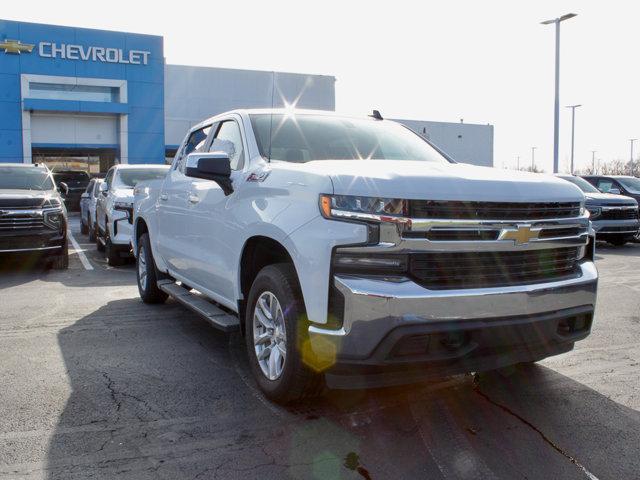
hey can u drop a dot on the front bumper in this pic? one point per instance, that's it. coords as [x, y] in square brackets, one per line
[460, 330]
[122, 230]
[616, 227]
[36, 241]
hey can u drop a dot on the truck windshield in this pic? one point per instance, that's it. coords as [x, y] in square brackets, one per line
[24, 178]
[306, 137]
[581, 183]
[128, 178]
[72, 177]
[630, 183]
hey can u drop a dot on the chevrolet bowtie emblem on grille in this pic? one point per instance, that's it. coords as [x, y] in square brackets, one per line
[16, 46]
[521, 235]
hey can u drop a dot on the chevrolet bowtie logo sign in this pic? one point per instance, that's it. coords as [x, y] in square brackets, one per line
[15, 46]
[521, 235]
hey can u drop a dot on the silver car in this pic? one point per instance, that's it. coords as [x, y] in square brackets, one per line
[88, 202]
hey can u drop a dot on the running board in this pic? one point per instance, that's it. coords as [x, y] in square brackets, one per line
[197, 303]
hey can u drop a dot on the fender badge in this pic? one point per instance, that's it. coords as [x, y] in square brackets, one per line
[258, 176]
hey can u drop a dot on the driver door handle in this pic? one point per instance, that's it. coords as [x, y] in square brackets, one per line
[164, 197]
[193, 198]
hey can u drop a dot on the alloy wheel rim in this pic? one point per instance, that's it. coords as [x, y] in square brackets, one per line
[142, 269]
[269, 335]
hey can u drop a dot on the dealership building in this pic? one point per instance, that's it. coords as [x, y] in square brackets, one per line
[84, 98]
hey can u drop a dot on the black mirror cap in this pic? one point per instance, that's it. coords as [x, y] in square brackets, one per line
[64, 188]
[215, 166]
[220, 166]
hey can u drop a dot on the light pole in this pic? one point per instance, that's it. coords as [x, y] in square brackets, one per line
[533, 157]
[593, 162]
[518, 163]
[573, 131]
[556, 112]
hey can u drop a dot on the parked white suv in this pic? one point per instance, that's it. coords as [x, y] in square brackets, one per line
[114, 208]
[352, 251]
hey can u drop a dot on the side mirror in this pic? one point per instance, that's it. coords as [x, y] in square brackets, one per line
[215, 166]
[103, 188]
[84, 195]
[64, 188]
[615, 191]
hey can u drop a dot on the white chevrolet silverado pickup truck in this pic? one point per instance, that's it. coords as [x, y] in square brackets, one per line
[352, 253]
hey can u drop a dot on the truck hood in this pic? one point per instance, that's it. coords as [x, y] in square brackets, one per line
[32, 198]
[123, 195]
[608, 199]
[439, 181]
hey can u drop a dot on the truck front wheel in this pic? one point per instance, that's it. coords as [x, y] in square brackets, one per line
[275, 332]
[147, 274]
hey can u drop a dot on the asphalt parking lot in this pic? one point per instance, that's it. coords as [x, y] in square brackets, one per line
[95, 384]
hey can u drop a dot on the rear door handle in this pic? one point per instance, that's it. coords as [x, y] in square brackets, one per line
[164, 197]
[193, 198]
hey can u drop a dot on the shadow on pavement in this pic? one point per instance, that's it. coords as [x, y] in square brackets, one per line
[157, 393]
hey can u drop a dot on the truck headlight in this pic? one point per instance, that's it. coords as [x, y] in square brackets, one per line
[368, 209]
[126, 207]
[594, 212]
[53, 218]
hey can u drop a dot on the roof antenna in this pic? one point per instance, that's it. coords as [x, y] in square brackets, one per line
[376, 115]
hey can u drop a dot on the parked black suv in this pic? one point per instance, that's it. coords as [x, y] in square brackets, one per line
[33, 218]
[614, 218]
[76, 181]
[616, 184]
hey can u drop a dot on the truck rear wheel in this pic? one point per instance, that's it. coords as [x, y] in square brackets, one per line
[275, 332]
[146, 273]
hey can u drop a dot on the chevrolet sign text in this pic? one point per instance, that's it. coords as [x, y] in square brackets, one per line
[95, 54]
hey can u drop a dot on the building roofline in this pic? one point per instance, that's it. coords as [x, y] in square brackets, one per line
[249, 70]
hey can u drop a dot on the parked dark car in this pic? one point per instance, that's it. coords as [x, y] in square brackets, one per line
[77, 181]
[614, 217]
[33, 219]
[616, 184]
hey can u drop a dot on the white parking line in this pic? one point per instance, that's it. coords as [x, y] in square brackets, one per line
[83, 258]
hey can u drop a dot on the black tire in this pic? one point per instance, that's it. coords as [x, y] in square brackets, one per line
[99, 239]
[297, 380]
[61, 262]
[111, 252]
[84, 227]
[618, 241]
[92, 233]
[149, 291]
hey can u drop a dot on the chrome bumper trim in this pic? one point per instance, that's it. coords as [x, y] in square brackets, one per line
[375, 306]
[37, 249]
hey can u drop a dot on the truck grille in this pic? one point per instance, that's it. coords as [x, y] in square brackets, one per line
[20, 203]
[492, 210]
[21, 222]
[618, 214]
[441, 271]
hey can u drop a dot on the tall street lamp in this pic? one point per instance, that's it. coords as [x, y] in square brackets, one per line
[573, 130]
[533, 158]
[556, 112]
[631, 140]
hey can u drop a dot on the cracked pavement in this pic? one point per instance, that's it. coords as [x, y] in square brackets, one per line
[94, 384]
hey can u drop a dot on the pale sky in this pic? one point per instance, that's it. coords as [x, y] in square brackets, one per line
[485, 61]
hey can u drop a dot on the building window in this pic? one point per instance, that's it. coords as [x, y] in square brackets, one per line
[88, 93]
